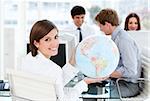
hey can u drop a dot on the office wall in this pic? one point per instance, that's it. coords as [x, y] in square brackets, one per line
[9, 48]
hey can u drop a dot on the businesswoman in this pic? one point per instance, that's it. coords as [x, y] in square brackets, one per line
[44, 43]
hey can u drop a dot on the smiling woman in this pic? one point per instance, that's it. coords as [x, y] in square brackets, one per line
[48, 45]
[132, 22]
[44, 38]
[44, 44]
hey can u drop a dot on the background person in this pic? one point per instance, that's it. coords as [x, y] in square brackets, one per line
[132, 22]
[129, 64]
[79, 25]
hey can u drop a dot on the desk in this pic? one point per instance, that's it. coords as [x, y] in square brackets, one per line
[5, 99]
[103, 93]
[4, 93]
[5, 96]
[73, 94]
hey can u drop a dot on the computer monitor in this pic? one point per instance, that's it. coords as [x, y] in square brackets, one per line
[60, 58]
[141, 37]
[67, 43]
[28, 48]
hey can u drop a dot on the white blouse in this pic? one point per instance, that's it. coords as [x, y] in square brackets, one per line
[45, 67]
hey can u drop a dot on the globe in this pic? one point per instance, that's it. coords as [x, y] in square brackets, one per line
[97, 56]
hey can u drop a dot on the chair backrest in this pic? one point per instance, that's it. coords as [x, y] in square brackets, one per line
[32, 87]
[142, 38]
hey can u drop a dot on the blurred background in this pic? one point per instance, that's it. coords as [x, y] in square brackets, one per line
[17, 17]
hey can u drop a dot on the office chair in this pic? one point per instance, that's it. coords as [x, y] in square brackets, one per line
[144, 80]
[28, 87]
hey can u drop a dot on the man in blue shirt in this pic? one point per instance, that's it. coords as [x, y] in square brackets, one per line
[129, 63]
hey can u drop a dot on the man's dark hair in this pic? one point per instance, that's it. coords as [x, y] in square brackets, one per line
[77, 10]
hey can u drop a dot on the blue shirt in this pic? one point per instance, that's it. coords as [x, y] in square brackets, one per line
[129, 63]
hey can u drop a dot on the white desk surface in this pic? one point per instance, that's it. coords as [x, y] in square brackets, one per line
[5, 99]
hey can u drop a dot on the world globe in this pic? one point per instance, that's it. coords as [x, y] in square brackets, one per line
[97, 56]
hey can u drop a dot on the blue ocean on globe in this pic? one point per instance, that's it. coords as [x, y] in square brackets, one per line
[97, 56]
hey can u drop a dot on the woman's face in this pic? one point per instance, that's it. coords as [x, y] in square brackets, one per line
[133, 24]
[49, 44]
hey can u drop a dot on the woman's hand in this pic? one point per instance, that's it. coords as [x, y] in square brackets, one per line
[95, 80]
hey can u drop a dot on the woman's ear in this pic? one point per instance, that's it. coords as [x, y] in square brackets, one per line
[36, 43]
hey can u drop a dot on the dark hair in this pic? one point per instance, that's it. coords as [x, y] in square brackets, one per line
[77, 10]
[127, 21]
[38, 31]
[107, 15]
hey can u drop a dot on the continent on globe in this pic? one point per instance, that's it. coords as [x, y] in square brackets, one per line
[99, 64]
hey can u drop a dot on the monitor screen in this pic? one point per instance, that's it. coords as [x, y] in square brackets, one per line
[60, 58]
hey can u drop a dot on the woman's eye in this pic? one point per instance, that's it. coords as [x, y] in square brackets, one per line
[47, 39]
[130, 22]
[56, 37]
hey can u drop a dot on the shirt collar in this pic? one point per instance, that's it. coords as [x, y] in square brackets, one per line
[40, 55]
[75, 27]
